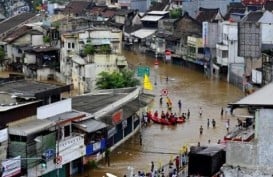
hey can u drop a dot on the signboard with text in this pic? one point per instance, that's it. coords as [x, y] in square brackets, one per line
[11, 167]
[142, 70]
[117, 117]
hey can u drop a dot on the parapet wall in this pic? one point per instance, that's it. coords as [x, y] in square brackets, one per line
[241, 154]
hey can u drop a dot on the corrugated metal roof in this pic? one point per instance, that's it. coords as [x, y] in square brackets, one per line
[90, 125]
[151, 18]
[79, 60]
[30, 127]
[66, 116]
[130, 108]
[143, 33]
[156, 12]
[13, 22]
[30, 88]
[93, 103]
[260, 98]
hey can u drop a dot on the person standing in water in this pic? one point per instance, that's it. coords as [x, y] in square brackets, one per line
[188, 114]
[200, 111]
[180, 105]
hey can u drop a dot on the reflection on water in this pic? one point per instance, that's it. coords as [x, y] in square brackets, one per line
[160, 143]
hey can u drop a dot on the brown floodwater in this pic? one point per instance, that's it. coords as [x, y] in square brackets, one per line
[160, 143]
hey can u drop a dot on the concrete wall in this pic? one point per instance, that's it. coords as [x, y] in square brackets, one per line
[37, 40]
[237, 171]
[42, 73]
[29, 58]
[213, 33]
[254, 159]
[267, 30]
[264, 127]
[243, 154]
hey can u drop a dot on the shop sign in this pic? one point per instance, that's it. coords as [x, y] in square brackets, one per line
[111, 132]
[11, 167]
[117, 117]
[71, 142]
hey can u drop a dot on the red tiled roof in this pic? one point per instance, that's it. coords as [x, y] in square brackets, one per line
[109, 13]
[96, 10]
[253, 2]
[13, 22]
[17, 33]
[76, 7]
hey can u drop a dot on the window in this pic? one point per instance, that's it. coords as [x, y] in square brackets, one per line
[201, 50]
[69, 45]
[73, 45]
[225, 54]
[67, 131]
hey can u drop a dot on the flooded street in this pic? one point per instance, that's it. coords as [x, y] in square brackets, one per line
[160, 143]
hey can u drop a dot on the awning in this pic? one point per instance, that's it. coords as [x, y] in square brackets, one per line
[143, 33]
[90, 125]
[100, 41]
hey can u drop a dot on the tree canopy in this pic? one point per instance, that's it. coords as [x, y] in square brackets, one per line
[89, 49]
[114, 80]
[176, 13]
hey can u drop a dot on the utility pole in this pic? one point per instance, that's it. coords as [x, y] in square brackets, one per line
[58, 149]
[156, 61]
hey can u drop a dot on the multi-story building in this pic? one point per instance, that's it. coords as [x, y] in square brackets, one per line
[227, 51]
[82, 69]
[254, 158]
[254, 37]
[64, 136]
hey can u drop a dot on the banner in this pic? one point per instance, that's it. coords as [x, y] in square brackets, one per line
[11, 167]
[147, 83]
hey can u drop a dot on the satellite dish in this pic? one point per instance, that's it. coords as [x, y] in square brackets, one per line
[110, 175]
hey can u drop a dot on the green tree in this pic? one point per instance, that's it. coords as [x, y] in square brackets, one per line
[46, 39]
[105, 49]
[2, 55]
[116, 79]
[176, 13]
[56, 24]
[88, 49]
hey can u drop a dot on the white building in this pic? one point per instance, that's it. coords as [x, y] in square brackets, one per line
[81, 70]
[227, 49]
